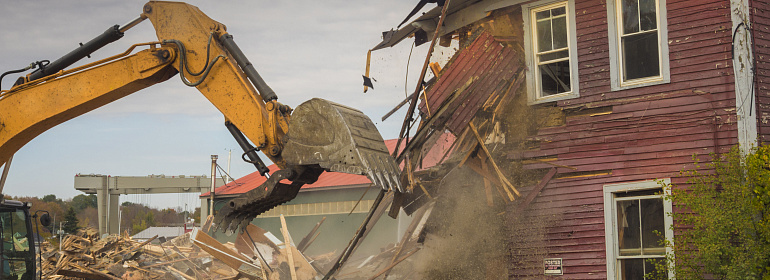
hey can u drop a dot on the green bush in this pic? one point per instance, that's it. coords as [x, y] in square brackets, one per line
[721, 225]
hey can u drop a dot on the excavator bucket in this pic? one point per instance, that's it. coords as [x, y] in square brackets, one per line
[339, 139]
[323, 136]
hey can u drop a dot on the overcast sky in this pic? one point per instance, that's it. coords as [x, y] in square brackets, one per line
[303, 49]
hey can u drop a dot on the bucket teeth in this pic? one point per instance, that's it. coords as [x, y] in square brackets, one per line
[241, 210]
[340, 139]
[322, 136]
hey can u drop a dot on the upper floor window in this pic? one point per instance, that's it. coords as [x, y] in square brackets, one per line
[551, 51]
[638, 42]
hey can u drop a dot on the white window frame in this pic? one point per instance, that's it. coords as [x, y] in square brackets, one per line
[533, 85]
[610, 220]
[614, 16]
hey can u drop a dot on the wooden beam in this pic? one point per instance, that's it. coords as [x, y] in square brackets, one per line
[85, 275]
[302, 246]
[494, 165]
[188, 277]
[480, 167]
[287, 246]
[536, 190]
[218, 251]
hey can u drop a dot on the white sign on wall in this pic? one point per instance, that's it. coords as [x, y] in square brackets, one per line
[553, 266]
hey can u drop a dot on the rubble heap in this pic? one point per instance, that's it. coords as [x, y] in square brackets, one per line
[84, 255]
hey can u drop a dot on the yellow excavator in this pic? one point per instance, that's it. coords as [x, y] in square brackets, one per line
[314, 137]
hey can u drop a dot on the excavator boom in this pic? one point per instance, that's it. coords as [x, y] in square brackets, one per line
[315, 137]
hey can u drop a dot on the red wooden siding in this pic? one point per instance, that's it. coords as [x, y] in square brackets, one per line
[489, 62]
[652, 132]
[760, 13]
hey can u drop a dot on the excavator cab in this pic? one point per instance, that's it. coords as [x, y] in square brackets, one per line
[17, 249]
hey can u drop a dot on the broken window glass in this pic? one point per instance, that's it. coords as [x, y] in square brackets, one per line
[554, 78]
[639, 39]
[552, 45]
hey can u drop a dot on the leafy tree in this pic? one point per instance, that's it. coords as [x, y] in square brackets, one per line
[82, 201]
[143, 219]
[723, 228]
[197, 215]
[51, 198]
[89, 217]
[54, 208]
[70, 221]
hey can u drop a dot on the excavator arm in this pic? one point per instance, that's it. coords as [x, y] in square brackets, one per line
[315, 137]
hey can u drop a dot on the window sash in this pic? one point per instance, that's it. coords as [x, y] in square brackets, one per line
[629, 191]
[620, 27]
[538, 54]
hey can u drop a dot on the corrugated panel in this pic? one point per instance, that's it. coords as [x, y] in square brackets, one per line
[487, 63]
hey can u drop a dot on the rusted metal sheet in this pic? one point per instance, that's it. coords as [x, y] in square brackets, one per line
[491, 64]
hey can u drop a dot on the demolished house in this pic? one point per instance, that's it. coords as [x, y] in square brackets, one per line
[567, 114]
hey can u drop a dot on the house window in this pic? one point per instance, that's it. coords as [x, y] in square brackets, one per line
[636, 224]
[551, 51]
[638, 40]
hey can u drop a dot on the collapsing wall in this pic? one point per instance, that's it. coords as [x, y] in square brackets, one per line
[481, 226]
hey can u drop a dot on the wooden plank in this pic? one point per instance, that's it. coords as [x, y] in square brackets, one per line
[534, 192]
[480, 167]
[86, 274]
[207, 224]
[287, 246]
[188, 277]
[218, 250]
[505, 181]
[302, 246]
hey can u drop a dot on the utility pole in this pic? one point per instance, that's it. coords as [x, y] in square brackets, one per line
[61, 232]
[120, 217]
[229, 157]
[213, 182]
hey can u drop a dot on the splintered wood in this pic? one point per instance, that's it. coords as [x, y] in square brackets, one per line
[86, 256]
[194, 255]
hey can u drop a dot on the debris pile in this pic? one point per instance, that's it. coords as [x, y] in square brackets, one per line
[84, 255]
[257, 254]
